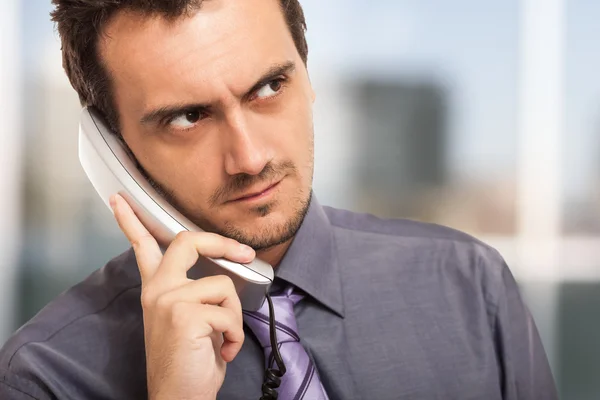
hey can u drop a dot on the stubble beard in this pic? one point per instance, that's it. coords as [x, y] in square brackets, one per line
[269, 236]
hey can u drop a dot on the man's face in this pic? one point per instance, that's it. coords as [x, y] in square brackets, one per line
[217, 109]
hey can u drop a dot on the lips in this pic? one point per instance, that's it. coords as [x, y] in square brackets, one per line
[256, 193]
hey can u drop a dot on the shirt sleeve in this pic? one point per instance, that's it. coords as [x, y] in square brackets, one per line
[14, 387]
[10, 393]
[526, 373]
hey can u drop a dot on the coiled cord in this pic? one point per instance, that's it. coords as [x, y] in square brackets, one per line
[273, 375]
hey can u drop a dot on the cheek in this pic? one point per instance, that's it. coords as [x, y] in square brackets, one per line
[197, 174]
[187, 172]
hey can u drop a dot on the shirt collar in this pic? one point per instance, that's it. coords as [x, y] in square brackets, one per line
[311, 263]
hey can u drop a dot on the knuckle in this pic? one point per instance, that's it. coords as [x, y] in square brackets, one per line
[182, 236]
[232, 317]
[219, 240]
[226, 282]
[183, 245]
[234, 244]
[236, 325]
[142, 242]
[147, 299]
[241, 335]
[163, 304]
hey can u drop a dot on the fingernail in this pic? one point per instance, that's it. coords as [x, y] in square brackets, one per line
[246, 250]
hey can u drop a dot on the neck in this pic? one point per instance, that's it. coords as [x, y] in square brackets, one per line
[274, 255]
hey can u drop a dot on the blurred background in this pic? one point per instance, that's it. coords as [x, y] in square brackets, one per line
[483, 116]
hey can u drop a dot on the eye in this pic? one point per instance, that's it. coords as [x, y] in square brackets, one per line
[270, 89]
[185, 120]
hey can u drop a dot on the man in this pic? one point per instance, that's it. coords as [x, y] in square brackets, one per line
[214, 101]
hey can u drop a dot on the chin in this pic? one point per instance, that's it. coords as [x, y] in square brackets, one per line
[266, 225]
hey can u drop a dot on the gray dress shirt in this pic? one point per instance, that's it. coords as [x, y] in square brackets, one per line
[395, 310]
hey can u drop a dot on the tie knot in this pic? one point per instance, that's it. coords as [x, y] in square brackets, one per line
[285, 320]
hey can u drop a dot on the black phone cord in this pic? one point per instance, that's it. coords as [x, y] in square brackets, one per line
[273, 375]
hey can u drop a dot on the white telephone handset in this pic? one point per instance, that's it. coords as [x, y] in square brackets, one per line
[111, 170]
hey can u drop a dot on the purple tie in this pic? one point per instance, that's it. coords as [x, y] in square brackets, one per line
[301, 380]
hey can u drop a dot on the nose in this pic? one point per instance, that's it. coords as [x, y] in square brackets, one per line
[246, 152]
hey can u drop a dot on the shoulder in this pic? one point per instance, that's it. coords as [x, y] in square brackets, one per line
[401, 249]
[401, 231]
[97, 293]
[74, 333]
[364, 223]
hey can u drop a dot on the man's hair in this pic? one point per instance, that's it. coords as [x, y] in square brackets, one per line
[81, 22]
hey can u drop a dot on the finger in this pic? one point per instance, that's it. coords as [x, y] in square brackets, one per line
[185, 249]
[147, 251]
[213, 290]
[197, 321]
[225, 321]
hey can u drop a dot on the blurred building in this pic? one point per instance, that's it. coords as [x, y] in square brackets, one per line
[68, 231]
[401, 130]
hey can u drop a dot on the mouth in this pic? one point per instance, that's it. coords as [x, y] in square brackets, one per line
[259, 194]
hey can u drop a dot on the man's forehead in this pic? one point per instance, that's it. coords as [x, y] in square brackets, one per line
[226, 43]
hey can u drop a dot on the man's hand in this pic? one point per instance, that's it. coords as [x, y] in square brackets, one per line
[192, 328]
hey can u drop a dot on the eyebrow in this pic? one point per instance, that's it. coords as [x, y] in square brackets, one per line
[165, 111]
